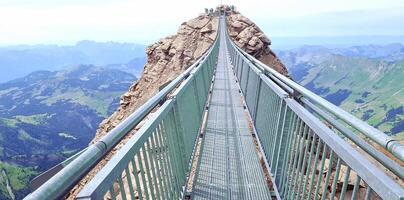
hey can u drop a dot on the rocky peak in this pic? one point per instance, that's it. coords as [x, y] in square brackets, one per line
[166, 59]
[248, 36]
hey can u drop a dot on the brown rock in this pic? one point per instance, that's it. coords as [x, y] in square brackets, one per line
[207, 29]
[254, 40]
[238, 26]
[198, 22]
[172, 52]
[188, 53]
[264, 39]
[233, 34]
[245, 20]
[166, 45]
[185, 30]
[246, 34]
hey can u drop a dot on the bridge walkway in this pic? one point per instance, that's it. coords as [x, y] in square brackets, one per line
[229, 166]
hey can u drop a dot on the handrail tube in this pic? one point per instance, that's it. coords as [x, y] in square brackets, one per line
[375, 178]
[383, 159]
[105, 174]
[384, 186]
[96, 188]
[374, 134]
[43, 177]
[65, 179]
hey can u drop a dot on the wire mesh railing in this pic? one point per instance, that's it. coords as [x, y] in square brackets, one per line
[155, 163]
[305, 157]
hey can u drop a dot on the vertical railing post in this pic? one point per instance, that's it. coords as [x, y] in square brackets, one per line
[257, 96]
[178, 130]
[281, 152]
[277, 135]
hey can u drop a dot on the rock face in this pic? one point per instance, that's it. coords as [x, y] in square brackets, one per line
[171, 56]
[251, 39]
[166, 60]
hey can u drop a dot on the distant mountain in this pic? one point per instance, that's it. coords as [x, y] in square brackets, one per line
[134, 66]
[18, 61]
[364, 80]
[46, 117]
[287, 43]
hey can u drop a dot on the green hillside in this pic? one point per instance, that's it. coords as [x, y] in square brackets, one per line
[369, 88]
[46, 117]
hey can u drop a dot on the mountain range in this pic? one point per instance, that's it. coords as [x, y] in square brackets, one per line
[20, 60]
[45, 117]
[56, 96]
[364, 80]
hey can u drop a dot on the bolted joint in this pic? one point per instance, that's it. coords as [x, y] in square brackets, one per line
[296, 96]
[396, 148]
[172, 97]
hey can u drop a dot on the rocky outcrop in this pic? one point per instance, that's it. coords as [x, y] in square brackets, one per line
[166, 60]
[251, 39]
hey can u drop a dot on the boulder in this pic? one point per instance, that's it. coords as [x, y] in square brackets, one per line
[198, 22]
[207, 29]
[233, 34]
[185, 30]
[264, 39]
[238, 26]
[172, 52]
[166, 45]
[254, 40]
[251, 39]
[245, 20]
[246, 34]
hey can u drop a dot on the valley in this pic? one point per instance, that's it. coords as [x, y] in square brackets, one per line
[364, 80]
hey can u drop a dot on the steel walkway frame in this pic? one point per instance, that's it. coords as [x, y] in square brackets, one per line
[229, 167]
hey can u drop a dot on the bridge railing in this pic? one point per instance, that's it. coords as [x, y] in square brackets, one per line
[305, 157]
[155, 162]
[184, 99]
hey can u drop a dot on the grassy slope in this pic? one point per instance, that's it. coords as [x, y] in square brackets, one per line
[382, 80]
[15, 177]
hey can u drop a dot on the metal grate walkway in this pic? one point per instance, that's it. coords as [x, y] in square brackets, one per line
[229, 166]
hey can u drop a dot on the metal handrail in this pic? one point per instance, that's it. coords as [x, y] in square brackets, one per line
[158, 129]
[387, 142]
[65, 179]
[396, 168]
[295, 135]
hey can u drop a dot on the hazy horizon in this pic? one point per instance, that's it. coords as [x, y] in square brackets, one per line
[67, 22]
[280, 43]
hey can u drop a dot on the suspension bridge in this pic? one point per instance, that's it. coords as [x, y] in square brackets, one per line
[230, 127]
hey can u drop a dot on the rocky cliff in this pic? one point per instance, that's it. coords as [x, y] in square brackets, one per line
[251, 39]
[174, 54]
[166, 59]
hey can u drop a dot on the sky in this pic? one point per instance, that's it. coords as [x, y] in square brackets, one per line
[146, 21]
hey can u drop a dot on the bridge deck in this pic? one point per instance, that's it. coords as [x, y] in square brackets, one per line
[229, 166]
